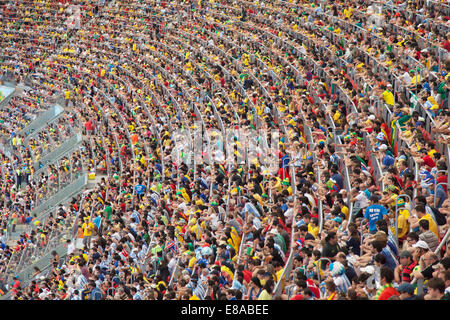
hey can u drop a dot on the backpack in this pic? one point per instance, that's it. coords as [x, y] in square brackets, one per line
[440, 218]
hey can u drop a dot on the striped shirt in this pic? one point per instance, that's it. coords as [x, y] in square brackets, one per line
[342, 283]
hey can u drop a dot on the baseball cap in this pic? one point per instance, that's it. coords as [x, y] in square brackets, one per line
[383, 147]
[406, 287]
[421, 244]
[444, 263]
[338, 219]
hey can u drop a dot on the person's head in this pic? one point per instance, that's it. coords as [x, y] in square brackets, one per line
[412, 238]
[374, 199]
[269, 285]
[436, 288]
[255, 282]
[379, 260]
[330, 286]
[420, 210]
[303, 229]
[406, 290]
[341, 258]
[421, 248]
[429, 258]
[424, 225]
[386, 275]
[378, 245]
[331, 238]
[406, 258]
[307, 294]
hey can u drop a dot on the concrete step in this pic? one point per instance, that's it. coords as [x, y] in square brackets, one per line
[14, 236]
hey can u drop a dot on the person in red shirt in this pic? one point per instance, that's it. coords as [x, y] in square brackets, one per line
[405, 268]
[446, 45]
[387, 290]
[441, 178]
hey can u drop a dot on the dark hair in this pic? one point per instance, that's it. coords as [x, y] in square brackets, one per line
[380, 258]
[420, 208]
[307, 291]
[424, 224]
[330, 236]
[387, 273]
[330, 285]
[303, 227]
[256, 281]
[268, 286]
[413, 235]
[378, 245]
[436, 283]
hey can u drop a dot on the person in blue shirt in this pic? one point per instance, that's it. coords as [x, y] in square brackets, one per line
[440, 196]
[373, 213]
[140, 189]
[337, 177]
[388, 160]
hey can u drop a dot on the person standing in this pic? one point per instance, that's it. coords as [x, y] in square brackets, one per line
[374, 213]
[88, 229]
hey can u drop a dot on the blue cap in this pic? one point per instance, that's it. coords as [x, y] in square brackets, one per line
[406, 287]
[337, 219]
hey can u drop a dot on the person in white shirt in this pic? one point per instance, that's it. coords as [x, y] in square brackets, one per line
[406, 78]
[359, 200]
[70, 247]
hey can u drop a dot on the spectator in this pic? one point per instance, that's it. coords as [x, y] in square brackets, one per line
[387, 290]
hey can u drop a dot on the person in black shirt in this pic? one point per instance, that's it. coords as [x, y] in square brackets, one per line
[303, 230]
[331, 247]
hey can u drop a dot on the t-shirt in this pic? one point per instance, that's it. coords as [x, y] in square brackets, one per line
[87, 229]
[432, 224]
[387, 293]
[373, 214]
[388, 161]
[361, 200]
[388, 97]
[265, 295]
[441, 195]
[329, 251]
[403, 225]
[140, 189]
[337, 177]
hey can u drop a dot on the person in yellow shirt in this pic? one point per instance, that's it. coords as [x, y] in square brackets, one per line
[421, 213]
[402, 224]
[313, 227]
[388, 96]
[88, 229]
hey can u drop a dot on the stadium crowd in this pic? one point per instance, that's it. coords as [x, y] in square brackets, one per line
[350, 202]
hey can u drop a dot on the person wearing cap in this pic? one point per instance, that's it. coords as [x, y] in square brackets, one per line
[405, 268]
[387, 95]
[406, 291]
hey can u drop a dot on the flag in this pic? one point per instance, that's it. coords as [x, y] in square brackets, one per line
[172, 246]
[299, 243]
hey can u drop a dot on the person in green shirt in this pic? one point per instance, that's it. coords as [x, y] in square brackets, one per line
[108, 211]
